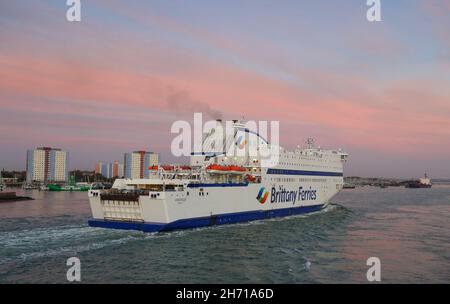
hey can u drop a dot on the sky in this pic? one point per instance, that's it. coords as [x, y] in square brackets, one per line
[116, 81]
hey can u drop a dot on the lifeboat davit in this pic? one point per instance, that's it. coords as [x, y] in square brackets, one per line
[218, 169]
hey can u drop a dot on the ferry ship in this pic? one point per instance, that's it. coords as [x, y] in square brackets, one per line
[216, 189]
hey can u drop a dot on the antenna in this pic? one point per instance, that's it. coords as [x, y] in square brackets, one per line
[310, 142]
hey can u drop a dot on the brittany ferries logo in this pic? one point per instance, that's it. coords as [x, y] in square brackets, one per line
[286, 196]
[283, 195]
[262, 195]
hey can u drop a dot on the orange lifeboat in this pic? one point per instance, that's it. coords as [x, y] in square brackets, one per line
[153, 168]
[185, 167]
[236, 169]
[168, 168]
[219, 169]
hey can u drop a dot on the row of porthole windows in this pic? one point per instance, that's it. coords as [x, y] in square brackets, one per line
[304, 165]
[302, 180]
[285, 179]
[306, 155]
[120, 203]
[312, 159]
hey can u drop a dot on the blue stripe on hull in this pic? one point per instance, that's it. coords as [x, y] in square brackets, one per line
[146, 227]
[220, 219]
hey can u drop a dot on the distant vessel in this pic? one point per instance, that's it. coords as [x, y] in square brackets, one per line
[217, 189]
[30, 187]
[2, 185]
[6, 197]
[71, 187]
[424, 182]
[68, 188]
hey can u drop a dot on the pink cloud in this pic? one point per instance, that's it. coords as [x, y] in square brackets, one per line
[397, 117]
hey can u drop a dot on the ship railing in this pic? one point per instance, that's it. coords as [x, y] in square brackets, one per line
[194, 173]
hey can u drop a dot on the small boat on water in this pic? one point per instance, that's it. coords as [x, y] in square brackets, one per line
[72, 186]
[7, 197]
[2, 185]
[29, 187]
[67, 188]
[424, 182]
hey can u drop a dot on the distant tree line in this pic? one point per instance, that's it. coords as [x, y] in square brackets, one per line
[20, 175]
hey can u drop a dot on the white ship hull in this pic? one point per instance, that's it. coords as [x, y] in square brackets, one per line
[200, 205]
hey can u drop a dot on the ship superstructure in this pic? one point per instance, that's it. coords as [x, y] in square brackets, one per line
[217, 188]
